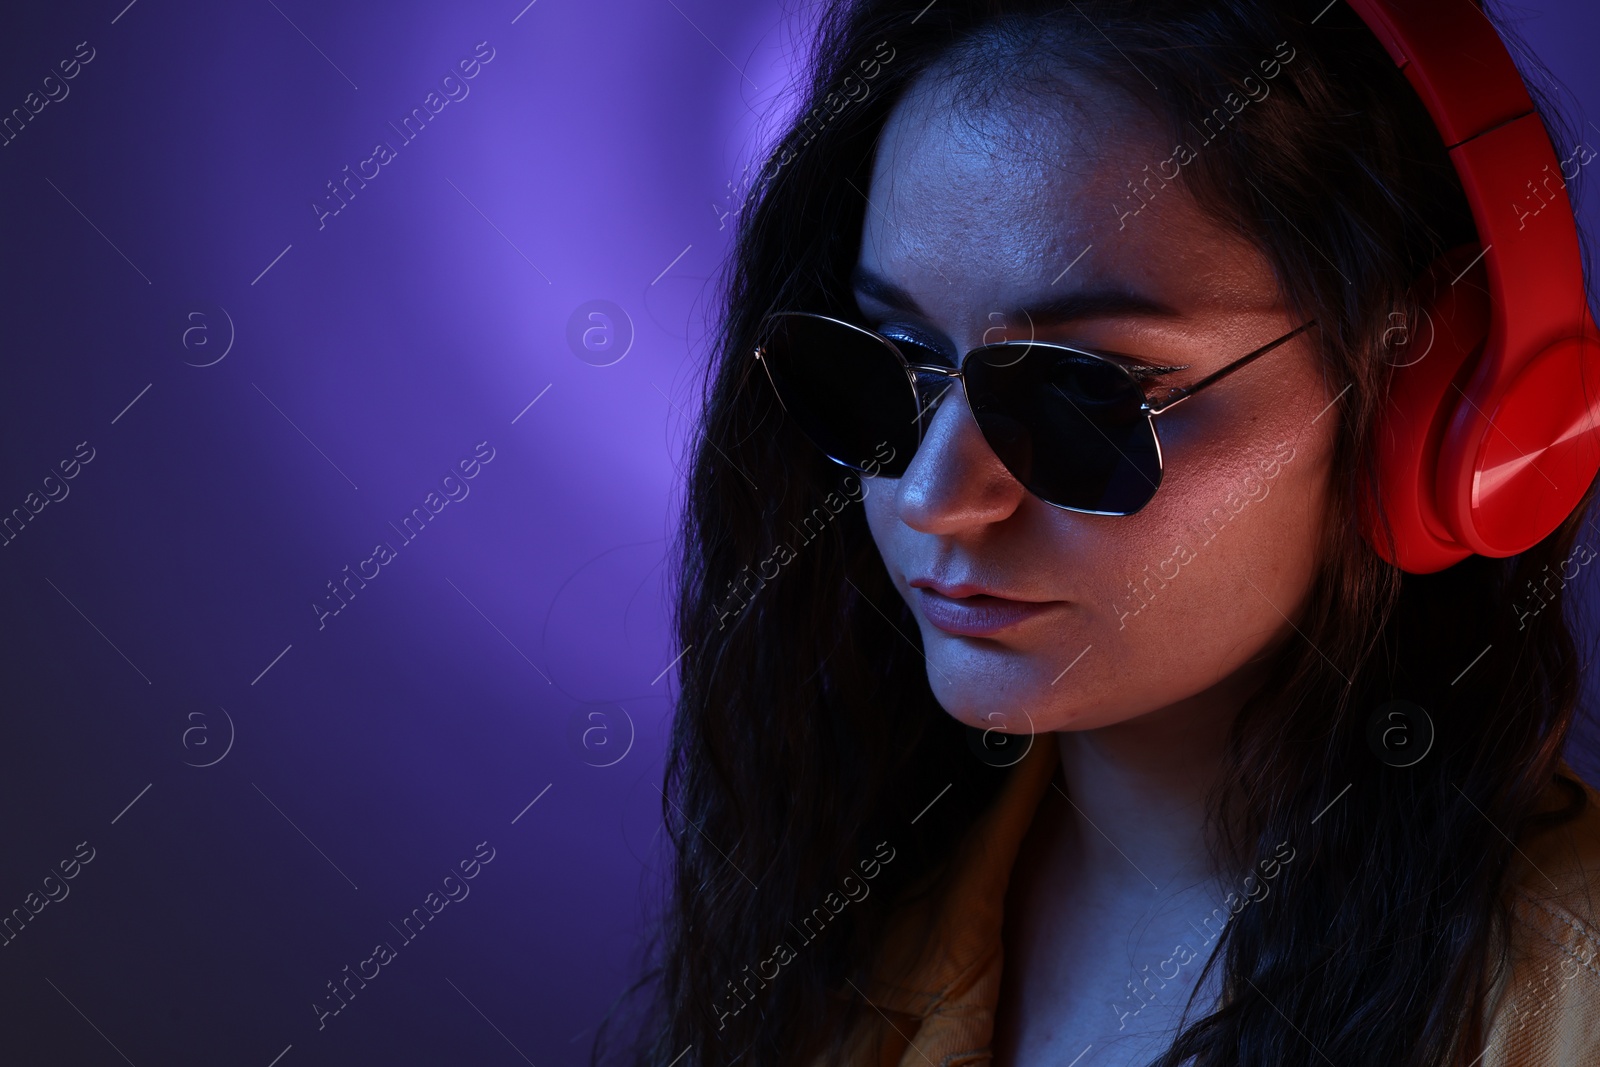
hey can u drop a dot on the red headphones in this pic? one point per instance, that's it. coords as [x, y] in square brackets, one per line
[1493, 435]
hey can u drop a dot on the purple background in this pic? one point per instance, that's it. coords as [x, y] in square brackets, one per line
[162, 608]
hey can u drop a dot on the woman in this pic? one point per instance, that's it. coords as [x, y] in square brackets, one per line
[1077, 771]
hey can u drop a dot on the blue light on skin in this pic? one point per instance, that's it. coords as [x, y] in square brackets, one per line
[977, 210]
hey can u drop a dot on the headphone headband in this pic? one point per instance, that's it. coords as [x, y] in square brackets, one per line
[1455, 61]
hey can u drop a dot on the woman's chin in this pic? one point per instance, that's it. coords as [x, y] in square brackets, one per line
[977, 708]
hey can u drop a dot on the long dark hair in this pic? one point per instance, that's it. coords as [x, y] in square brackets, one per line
[807, 743]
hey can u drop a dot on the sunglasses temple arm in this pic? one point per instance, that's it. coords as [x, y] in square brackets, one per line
[758, 352]
[1222, 372]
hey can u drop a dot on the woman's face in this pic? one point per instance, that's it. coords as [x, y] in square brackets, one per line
[975, 213]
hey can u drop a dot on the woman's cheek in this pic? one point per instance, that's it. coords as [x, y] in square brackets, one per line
[878, 505]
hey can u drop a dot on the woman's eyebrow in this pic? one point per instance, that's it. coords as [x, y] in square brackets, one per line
[1105, 302]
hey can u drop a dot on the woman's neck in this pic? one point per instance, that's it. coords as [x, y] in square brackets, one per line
[1137, 791]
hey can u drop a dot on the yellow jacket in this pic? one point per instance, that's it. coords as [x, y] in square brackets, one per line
[940, 1010]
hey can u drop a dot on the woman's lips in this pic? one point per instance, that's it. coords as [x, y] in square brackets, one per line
[980, 615]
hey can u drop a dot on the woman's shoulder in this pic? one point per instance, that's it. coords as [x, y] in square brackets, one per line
[1559, 879]
[1546, 1007]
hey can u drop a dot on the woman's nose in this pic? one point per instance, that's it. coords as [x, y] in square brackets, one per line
[954, 480]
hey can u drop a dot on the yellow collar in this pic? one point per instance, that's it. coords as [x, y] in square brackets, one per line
[949, 969]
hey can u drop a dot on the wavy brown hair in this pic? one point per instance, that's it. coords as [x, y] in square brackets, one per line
[806, 733]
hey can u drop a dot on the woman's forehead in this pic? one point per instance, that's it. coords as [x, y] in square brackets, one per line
[956, 218]
[1027, 111]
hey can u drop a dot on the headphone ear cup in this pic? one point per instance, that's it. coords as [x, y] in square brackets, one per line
[1504, 488]
[1430, 357]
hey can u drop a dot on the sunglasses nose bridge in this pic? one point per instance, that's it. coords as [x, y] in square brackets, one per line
[932, 384]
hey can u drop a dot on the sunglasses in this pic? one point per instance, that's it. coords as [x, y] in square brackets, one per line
[1074, 427]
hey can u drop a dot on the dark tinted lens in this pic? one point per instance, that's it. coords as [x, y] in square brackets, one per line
[1067, 426]
[845, 389]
